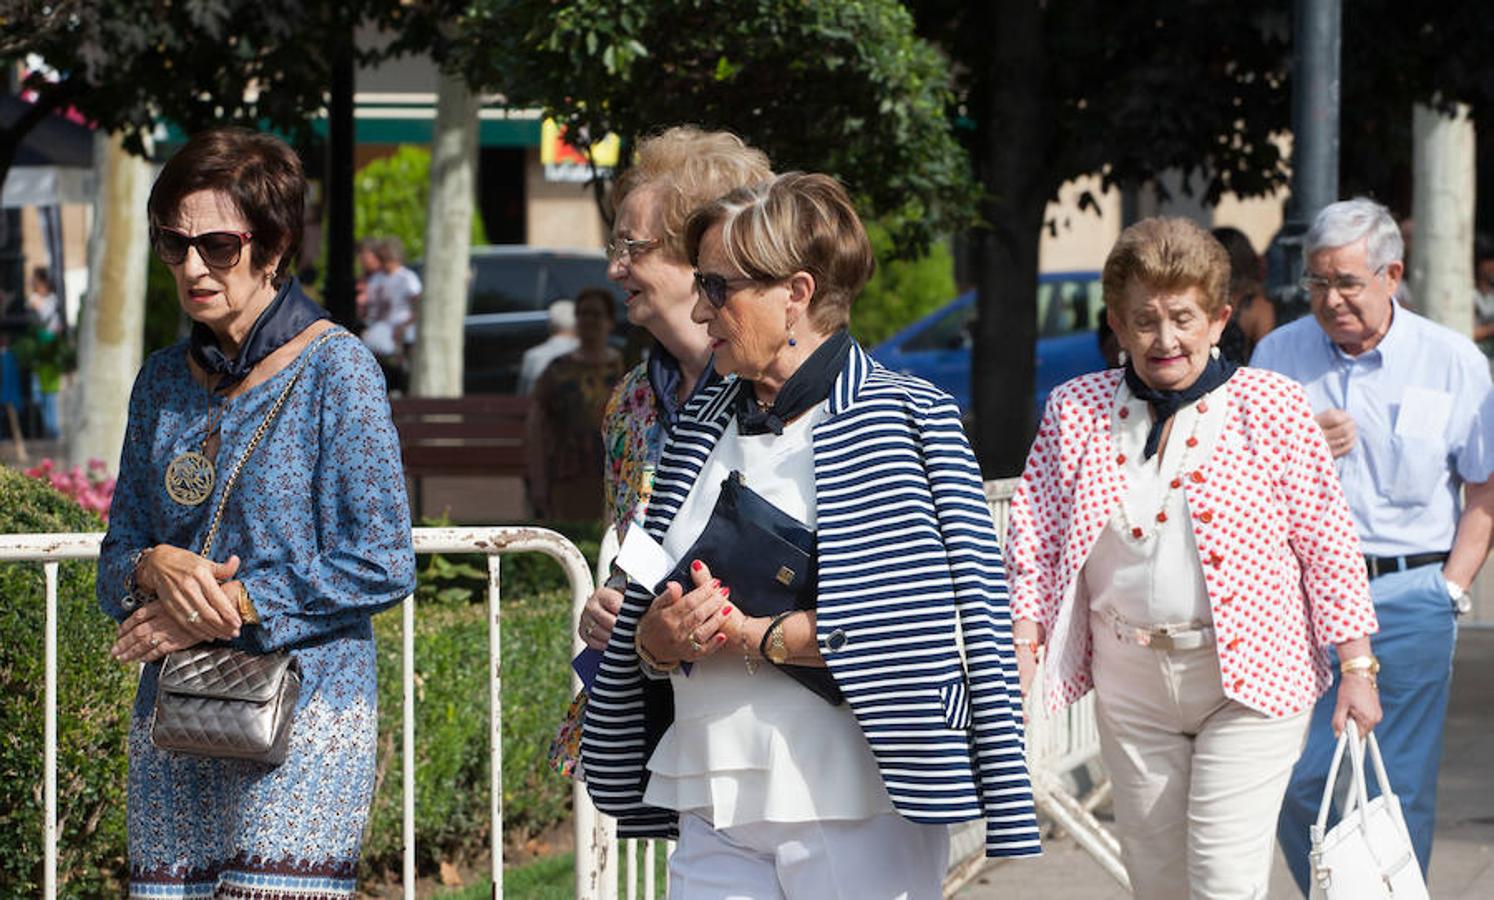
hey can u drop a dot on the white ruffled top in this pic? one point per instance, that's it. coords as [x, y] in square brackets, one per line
[759, 747]
[1157, 579]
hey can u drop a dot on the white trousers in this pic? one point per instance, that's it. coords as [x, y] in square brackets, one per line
[880, 858]
[1198, 778]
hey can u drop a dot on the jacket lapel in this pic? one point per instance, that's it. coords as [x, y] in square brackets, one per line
[700, 426]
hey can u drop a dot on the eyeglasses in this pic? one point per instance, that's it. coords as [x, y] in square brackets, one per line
[1348, 287]
[718, 288]
[617, 248]
[218, 249]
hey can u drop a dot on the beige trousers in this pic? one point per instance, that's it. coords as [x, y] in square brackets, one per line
[1198, 778]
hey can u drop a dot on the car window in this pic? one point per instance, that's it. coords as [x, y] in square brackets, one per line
[949, 332]
[505, 284]
[1069, 306]
[502, 284]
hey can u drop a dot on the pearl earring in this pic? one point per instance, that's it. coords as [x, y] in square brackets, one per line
[1125, 358]
[1214, 351]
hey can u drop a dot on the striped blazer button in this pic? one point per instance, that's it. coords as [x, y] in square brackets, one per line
[835, 640]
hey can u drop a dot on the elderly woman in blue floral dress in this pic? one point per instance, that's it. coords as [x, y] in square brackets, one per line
[313, 541]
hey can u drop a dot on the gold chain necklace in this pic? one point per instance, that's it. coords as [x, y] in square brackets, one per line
[190, 476]
[1137, 532]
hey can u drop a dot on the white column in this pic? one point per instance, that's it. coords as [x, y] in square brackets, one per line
[1442, 206]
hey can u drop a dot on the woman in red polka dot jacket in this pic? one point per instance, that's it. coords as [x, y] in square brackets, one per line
[1180, 543]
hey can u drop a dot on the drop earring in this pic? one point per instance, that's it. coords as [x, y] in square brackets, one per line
[791, 341]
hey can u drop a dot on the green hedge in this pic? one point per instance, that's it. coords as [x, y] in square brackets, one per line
[94, 699]
[451, 728]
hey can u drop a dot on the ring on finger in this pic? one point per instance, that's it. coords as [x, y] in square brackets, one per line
[193, 616]
[155, 641]
[695, 646]
[591, 627]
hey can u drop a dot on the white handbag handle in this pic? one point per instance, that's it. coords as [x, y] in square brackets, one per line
[1359, 795]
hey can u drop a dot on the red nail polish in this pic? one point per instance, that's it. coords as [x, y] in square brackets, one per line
[726, 592]
[715, 582]
[720, 639]
[695, 566]
[726, 610]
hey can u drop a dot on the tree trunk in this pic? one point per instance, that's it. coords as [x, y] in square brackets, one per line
[1006, 253]
[448, 239]
[1442, 205]
[113, 319]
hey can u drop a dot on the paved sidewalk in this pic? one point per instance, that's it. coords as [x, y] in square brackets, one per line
[1463, 855]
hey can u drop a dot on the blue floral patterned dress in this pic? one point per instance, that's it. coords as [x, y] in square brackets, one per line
[321, 524]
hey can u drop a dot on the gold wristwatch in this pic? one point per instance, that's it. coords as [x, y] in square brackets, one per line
[773, 648]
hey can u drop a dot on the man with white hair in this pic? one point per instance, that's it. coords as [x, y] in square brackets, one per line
[562, 340]
[1398, 397]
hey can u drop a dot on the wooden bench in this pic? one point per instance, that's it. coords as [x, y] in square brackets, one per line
[480, 436]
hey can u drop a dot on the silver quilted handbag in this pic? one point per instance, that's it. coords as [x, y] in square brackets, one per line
[222, 702]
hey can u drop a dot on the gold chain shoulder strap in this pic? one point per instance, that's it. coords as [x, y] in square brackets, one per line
[259, 433]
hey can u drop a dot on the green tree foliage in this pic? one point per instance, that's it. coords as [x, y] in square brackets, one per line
[391, 199]
[903, 290]
[128, 65]
[838, 86]
[95, 695]
[1127, 90]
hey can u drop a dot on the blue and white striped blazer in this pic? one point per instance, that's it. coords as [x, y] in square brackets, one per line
[908, 566]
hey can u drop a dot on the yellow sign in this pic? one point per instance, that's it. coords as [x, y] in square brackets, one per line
[565, 161]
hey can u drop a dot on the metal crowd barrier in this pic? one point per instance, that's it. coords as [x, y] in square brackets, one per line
[51, 549]
[1058, 748]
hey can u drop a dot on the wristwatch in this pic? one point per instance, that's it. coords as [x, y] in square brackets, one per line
[1459, 596]
[773, 648]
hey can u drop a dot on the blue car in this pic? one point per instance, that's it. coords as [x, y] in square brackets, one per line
[937, 347]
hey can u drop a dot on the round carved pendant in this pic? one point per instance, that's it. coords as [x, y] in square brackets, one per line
[189, 478]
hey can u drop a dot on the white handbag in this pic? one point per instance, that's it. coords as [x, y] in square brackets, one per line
[1368, 853]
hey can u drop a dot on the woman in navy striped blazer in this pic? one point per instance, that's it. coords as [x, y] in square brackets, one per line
[694, 727]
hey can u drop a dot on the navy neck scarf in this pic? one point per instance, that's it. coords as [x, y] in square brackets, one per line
[664, 376]
[286, 316]
[809, 385]
[1165, 403]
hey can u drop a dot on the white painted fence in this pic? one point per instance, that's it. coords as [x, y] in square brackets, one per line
[1057, 745]
[51, 549]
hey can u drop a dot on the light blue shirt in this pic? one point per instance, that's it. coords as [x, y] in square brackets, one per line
[1415, 399]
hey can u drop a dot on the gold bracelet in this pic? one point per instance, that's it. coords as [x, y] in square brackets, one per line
[1363, 665]
[247, 613]
[647, 659]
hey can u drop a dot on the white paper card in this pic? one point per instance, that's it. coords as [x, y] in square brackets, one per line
[642, 558]
[1424, 413]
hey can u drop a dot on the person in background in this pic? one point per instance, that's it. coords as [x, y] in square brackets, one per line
[1254, 314]
[313, 540]
[675, 172]
[1398, 398]
[777, 789]
[42, 302]
[45, 310]
[564, 441]
[562, 340]
[389, 315]
[1179, 543]
[1483, 294]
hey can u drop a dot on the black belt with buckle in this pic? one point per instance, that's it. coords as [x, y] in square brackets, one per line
[1384, 565]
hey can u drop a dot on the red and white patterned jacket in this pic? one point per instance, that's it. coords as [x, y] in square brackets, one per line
[1278, 550]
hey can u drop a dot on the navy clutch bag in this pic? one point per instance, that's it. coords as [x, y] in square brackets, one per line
[766, 557]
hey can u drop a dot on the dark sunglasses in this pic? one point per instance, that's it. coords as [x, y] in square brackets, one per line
[218, 249]
[717, 288]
